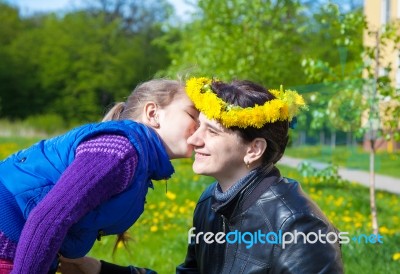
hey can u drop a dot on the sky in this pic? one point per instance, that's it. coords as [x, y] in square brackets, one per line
[32, 6]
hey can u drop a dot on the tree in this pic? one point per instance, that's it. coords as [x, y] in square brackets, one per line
[15, 75]
[77, 63]
[387, 38]
[258, 40]
[336, 70]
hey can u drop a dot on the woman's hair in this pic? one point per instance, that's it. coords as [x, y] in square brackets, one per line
[248, 94]
[160, 91]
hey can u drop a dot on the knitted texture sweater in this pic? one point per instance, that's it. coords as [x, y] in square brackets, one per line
[102, 168]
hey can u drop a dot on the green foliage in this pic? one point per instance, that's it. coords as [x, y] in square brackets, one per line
[77, 64]
[320, 174]
[345, 110]
[48, 123]
[338, 66]
[36, 126]
[257, 40]
[383, 97]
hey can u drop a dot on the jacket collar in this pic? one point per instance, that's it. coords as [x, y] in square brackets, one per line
[245, 196]
[153, 153]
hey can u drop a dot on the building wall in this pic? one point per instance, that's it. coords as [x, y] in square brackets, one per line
[378, 13]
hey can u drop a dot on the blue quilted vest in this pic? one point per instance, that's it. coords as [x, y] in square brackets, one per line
[30, 174]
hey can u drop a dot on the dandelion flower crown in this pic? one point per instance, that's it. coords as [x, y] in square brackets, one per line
[286, 105]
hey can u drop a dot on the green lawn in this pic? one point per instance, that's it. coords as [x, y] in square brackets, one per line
[159, 238]
[351, 157]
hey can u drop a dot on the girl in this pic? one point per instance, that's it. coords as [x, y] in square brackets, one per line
[60, 195]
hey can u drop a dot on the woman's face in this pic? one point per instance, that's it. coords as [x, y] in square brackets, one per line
[178, 121]
[219, 152]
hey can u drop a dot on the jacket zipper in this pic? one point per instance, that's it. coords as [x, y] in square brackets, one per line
[222, 263]
[223, 223]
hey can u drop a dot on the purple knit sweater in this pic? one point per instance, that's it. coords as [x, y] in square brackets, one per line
[102, 168]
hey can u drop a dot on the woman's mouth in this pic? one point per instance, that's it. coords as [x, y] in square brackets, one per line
[200, 155]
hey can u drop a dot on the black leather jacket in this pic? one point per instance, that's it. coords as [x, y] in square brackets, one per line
[269, 204]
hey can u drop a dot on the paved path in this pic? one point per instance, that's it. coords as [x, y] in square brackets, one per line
[382, 182]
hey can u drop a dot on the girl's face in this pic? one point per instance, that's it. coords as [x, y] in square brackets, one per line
[219, 151]
[178, 121]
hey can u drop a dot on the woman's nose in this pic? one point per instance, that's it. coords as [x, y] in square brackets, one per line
[195, 138]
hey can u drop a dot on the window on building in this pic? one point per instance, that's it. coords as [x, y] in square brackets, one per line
[398, 8]
[385, 11]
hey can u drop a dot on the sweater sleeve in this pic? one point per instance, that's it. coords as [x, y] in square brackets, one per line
[102, 168]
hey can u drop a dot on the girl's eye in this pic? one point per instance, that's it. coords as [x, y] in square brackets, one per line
[191, 116]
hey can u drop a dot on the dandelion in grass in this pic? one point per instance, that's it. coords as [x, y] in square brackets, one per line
[347, 219]
[171, 196]
[396, 256]
[152, 206]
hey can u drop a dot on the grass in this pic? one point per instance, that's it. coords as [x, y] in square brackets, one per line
[9, 145]
[353, 157]
[159, 237]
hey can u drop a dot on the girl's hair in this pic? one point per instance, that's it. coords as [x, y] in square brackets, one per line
[248, 94]
[160, 91]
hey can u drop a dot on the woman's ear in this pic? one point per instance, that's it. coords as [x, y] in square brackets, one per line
[255, 150]
[150, 115]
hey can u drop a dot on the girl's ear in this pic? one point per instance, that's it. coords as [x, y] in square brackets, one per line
[255, 150]
[150, 115]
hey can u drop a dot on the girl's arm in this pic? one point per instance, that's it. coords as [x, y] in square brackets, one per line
[102, 168]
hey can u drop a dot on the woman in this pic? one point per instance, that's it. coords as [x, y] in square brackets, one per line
[243, 132]
[60, 195]
[239, 141]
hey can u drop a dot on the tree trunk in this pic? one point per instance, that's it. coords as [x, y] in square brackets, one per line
[374, 213]
[322, 138]
[348, 139]
[333, 140]
[374, 125]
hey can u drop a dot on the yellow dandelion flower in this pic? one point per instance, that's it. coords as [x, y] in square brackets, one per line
[286, 105]
[171, 196]
[347, 219]
[396, 256]
[153, 228]
[384, 230]
[192, 204]
[339, 201]
[120, 245]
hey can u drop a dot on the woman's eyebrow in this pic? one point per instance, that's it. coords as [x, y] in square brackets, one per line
[214, 127]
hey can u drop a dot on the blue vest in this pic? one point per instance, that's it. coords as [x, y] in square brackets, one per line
[30, 174]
